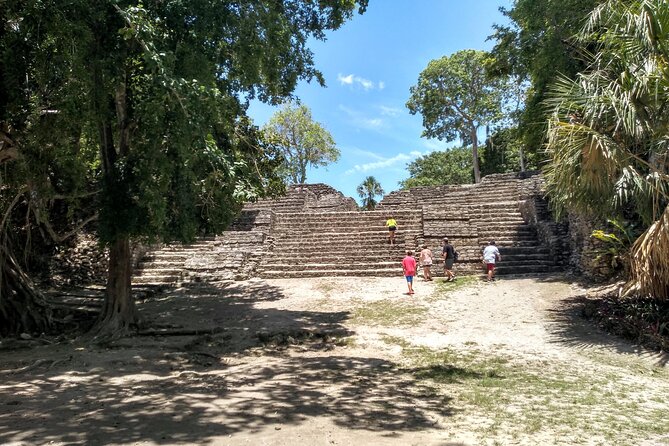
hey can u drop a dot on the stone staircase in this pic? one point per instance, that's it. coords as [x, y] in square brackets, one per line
[233, 255]
[472, 215]
[312, 244]
[313, 232]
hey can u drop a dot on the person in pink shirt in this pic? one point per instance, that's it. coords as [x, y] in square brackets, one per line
[409, 268]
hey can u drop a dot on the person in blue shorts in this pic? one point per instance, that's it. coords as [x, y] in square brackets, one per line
[409, 268]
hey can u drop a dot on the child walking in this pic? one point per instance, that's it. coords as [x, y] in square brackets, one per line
[409, 268]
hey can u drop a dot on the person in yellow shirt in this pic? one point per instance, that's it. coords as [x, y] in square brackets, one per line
[392, 227]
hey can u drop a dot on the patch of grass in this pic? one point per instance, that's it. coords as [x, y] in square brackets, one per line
[395, 340]
[326, 287]
[347, 341]
[521, 400]
[388, 313]
[444, 289]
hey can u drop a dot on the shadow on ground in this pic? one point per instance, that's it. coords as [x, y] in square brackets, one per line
[125, 405]
[572, 329]
[190, 390]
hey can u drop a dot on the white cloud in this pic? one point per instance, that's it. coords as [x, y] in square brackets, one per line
[364, 153]
[345, 80]
[389, 111]
[373, 123]
[366, 84]
[383, 163]
[359, 119]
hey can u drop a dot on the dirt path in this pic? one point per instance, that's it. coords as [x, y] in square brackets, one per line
[346, 361]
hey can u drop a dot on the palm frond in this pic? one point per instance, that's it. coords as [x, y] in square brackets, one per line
[649, 266]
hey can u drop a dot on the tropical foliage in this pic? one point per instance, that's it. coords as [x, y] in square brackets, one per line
[536, 47]
[608, 135]
[368, 190]
[139, 109]
[452, 166]
[302, 142]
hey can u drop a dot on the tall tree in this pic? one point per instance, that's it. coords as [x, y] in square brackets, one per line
[503, 152]
[158, 89]
[302, 141]
[537, 47]
[456, 97]
[452, 166]
[608, 133]
[368, 190]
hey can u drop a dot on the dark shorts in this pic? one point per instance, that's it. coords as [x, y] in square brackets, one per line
[392, 228]
[409, 279]
[448, 264]
[490, 266]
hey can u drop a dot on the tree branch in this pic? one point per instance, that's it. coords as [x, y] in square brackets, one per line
[70, 197]
[22, 191]
[60, 238]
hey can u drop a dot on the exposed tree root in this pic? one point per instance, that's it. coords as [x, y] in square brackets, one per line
[23, 308]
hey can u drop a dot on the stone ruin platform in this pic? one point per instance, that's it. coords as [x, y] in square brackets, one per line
[315, 231]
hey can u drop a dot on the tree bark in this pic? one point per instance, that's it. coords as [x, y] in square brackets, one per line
[119, 314]
[475, 155]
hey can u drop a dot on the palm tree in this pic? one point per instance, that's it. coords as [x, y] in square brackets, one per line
[609, 133]
[368, 190]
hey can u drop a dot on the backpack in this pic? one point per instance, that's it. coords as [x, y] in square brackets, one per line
[455, 255]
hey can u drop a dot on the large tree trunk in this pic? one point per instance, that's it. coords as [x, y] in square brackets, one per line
[119, 314]
[23, 308]
[475, 155]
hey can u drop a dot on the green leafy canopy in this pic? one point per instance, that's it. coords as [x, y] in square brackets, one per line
[302, 142]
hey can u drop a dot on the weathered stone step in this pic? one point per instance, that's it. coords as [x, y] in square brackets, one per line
[344, 243]
[524, 250]
[157, 280]
[157, 269]
[174, 264]
[517, 219]
[350, 216]
[526, 269]
[371, 237]
[351, 231]
[336, 226]
[512, 262]
[510, 242]
[352, 272]
[298, 259]
[376, 213]
[333, 266]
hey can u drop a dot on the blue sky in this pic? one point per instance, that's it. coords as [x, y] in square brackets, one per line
[369, 65]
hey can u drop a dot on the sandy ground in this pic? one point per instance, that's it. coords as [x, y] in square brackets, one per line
[324, 362]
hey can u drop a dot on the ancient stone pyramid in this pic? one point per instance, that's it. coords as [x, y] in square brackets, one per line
[316, 231]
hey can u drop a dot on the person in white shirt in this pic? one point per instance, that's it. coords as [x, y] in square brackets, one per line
[491, 255]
